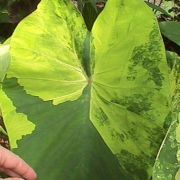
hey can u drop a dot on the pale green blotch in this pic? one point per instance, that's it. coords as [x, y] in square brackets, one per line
[4, 60]
[177, 177]
[17, 124]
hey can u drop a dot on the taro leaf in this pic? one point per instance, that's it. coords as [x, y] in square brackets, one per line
[111, 100]
[167, 166]
[4, 61]
[171, 30]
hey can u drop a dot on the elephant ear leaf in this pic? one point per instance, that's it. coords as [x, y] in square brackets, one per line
[130, 84]
[47, 50]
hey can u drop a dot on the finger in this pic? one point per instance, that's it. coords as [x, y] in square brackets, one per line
[10, 161]
[10, 173]
[12, 179]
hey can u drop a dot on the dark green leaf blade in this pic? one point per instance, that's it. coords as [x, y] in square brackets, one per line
[64, 144]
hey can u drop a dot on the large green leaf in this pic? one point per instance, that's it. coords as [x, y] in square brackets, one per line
[110, 87]
[64, 145]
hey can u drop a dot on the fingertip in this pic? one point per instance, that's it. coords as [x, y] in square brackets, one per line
[30, 175]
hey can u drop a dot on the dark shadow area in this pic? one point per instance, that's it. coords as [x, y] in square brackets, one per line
[14, 12]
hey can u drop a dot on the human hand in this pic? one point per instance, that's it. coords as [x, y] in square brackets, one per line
[14, 166]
